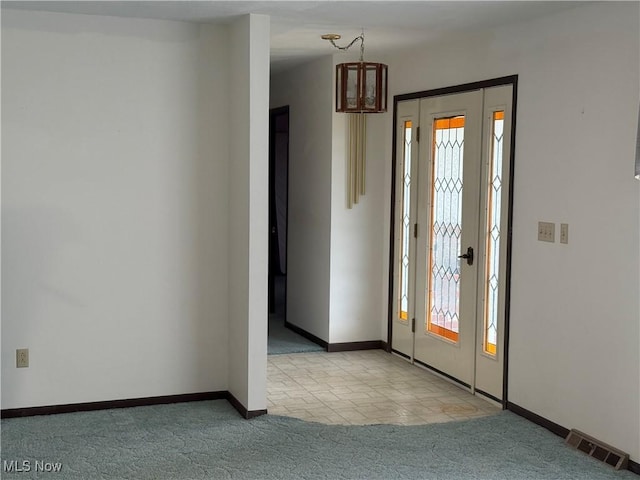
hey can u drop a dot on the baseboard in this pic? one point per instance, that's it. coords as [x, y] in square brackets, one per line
[307, 335]
[352, 346]
[132, 402]
[538, 420]
[242, 410]
[338, 347]
[108, 404]
[555, 428]
[385, 346]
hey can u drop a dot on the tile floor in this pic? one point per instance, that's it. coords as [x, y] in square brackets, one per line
[365, 387]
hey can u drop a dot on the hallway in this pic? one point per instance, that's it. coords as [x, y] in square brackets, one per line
[365, 387]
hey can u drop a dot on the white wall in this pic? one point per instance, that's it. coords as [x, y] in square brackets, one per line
[248, 210]
[334, 261]
[308, 92]
[574, 309]
[357, 237]
[114, 208]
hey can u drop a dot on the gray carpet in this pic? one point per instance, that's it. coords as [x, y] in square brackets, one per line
[281, 340]
[209, 440]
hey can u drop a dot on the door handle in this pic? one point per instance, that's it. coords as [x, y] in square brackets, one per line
[468, 256]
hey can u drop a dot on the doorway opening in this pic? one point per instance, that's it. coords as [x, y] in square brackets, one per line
[278, 209]
[451, 242]
[281, 340]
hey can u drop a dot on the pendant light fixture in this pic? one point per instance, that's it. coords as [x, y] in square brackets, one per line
[361, 87]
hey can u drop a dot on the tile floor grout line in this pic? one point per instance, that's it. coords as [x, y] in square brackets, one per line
[365, 387]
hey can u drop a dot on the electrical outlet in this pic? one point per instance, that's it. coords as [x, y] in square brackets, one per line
[22, 357]
[546, 232]
[564, 233]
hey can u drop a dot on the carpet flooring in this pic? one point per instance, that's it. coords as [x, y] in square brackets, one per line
[209, 440]
[281, 340]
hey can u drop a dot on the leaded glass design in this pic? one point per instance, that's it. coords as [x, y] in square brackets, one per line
[446, 227]
[494, 198]
[406, 224]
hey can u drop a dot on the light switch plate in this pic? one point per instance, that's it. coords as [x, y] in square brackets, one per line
[546, 232]
[564, 233]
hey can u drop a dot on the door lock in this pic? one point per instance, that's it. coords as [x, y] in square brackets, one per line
[468, 256]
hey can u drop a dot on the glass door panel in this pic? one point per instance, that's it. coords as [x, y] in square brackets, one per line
[445, 227]
[405, 234]
[496, 148]
[492, 233]
[405, 207]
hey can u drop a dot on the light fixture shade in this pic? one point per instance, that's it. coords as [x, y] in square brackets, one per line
[361, 87]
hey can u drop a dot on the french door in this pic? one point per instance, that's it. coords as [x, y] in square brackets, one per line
[451, 221]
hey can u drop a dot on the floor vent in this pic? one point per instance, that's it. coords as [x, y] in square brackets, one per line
[597, 449]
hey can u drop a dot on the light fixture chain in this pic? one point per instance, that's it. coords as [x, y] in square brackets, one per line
[360, 37]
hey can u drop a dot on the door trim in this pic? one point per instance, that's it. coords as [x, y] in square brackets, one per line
[508, 80]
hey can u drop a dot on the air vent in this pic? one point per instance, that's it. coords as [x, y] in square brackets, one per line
[597, 449]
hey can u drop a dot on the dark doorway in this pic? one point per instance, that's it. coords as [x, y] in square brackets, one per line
[278, 208]
[281, 339]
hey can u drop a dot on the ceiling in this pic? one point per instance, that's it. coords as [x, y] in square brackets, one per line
[296, 26]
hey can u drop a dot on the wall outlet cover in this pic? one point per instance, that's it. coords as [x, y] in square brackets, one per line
[22, 357]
